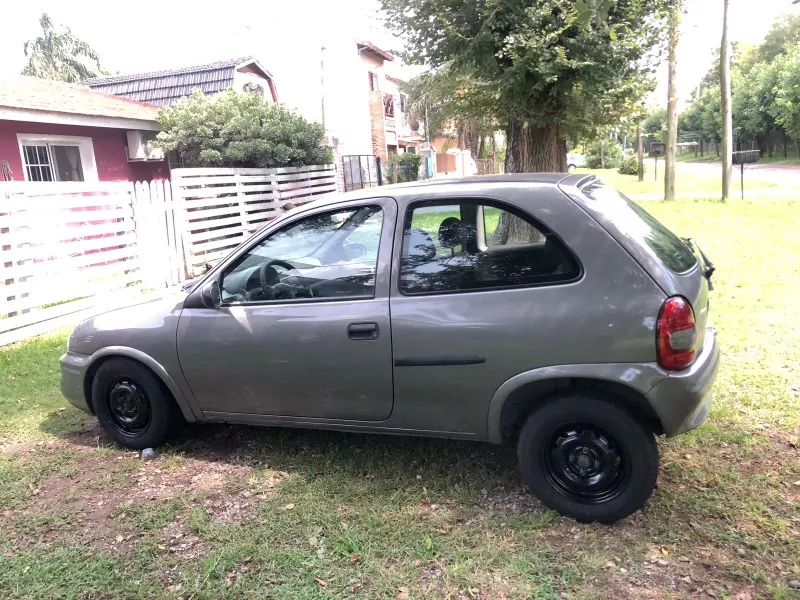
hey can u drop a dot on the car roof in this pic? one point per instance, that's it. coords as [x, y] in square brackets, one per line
[458, 185]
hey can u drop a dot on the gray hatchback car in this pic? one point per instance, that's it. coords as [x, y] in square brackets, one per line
[546, 310]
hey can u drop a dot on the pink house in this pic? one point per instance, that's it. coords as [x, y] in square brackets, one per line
[53, 131]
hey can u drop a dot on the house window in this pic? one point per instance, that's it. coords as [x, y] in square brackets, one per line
[373, 82]
[57, 158]
[38, 165]
[388, 105]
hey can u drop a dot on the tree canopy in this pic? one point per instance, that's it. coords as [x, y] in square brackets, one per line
[546, 70]
[58, 54]
[234, 129]
[765, 86]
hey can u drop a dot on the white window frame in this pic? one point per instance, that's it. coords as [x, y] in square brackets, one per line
[84, 144]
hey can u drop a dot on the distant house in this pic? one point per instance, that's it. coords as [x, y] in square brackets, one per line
[53, 131]
[164, 88]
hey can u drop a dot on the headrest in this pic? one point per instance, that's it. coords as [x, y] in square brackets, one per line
[451, 232]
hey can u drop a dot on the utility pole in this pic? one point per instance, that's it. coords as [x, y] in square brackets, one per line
[672, 105]
[640, 150]
[727, 116]
[322, 82]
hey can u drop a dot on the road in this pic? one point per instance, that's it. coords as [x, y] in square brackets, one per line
[775, 173]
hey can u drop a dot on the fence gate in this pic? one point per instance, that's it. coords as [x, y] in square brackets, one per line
[361, 171]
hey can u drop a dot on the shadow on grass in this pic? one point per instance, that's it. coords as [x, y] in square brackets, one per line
[385, 462]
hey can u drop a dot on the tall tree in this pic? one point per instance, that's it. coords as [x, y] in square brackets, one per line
[672, 104]
[546, 70]
[725, 99]
[58, 54]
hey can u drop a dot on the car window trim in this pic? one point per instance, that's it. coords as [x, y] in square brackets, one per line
[444, 201]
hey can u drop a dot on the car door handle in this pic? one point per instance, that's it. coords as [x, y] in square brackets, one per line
[363, 331]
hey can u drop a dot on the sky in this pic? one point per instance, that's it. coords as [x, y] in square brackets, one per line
[287, 35]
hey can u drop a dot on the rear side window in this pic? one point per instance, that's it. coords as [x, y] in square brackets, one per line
[638, 225]
[477, 245]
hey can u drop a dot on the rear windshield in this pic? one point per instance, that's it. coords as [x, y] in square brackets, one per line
[636, 223]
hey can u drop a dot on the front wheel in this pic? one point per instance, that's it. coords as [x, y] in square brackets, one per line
[132, 405]
[588, 459]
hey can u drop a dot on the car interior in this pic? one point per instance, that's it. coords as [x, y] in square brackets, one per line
[484, 246]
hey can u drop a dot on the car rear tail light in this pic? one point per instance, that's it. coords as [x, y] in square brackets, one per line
[676, 334]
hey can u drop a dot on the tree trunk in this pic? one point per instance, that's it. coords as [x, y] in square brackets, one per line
[785, 153]
[602, 156]
[534, 149]
[672, 105]
[640, 150]
[529, 150]
[727, 114]
[716, 147]
[702, 148]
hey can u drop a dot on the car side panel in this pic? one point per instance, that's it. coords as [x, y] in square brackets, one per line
[145, 332]
[608, 316]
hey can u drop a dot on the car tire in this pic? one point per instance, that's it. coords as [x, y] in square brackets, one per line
[571, 167]
[587, 458]
[132, 404]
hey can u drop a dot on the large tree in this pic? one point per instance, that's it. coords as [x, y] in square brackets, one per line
[547, 70]
[58, 54]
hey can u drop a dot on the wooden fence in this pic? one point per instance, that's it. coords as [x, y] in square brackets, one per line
[221, 207]
[63, 245]
[69, 247]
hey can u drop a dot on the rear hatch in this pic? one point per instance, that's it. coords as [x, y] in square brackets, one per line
[677, 265]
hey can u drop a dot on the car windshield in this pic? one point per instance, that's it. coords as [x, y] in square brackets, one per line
[641, 227]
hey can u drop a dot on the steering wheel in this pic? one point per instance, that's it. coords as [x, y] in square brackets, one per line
[268, 279]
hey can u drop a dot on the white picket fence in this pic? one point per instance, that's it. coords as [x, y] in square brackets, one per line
[66, 248]
[221, 207]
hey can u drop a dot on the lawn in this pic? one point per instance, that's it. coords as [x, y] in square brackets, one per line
[239, 512]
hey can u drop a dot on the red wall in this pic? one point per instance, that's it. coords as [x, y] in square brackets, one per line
[109, 151]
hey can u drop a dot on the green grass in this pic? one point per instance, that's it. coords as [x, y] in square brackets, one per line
[696, 186]
[233, 512]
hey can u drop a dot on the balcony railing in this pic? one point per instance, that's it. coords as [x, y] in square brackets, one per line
[389, 122]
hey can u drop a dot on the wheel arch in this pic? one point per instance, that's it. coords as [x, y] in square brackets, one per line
[105, 354]
[626, 384]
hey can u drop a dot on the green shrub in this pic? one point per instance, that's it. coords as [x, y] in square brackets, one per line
[407, 167]
[630, 166]
[234, 129]
[612, 155]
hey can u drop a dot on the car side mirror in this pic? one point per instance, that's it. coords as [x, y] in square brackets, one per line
[210, 295]
[354, 251]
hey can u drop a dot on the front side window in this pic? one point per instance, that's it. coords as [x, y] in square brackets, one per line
[475, 245]
[326, 255]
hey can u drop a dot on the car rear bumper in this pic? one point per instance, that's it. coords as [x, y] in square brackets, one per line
[73, 374]
[683, 398]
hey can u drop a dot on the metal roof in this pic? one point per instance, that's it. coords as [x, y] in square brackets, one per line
[164, 88]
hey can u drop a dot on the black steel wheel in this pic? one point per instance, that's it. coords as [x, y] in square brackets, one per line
[129, 406]
[132, 404]
[588, 458]
[586, 463]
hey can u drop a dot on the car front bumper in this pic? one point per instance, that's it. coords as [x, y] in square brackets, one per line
[73, 375]
[683, 398]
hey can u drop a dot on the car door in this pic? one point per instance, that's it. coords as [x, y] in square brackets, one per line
[479, 291]
[302, 323]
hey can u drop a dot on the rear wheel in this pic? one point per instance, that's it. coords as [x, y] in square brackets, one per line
[587, 458]
[132, 405]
